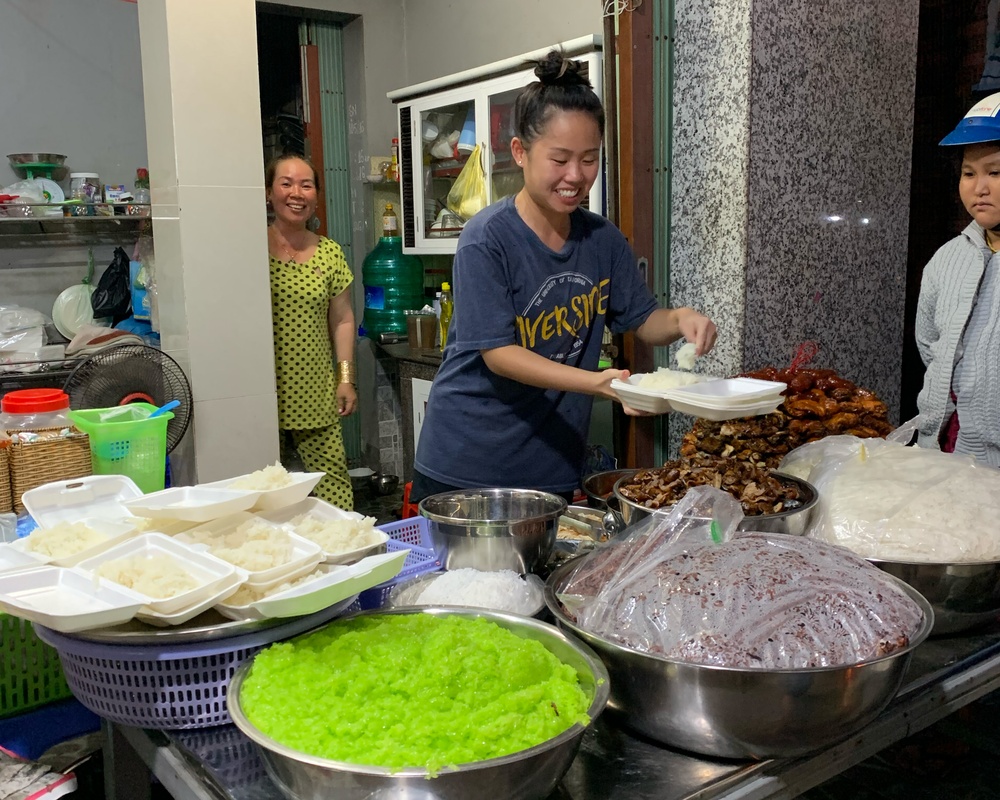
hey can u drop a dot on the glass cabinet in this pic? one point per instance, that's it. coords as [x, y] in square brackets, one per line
[439, 129]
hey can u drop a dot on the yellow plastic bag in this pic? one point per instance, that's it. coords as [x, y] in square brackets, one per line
[468, 194]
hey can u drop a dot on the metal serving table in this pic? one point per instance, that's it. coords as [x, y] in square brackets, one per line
[944, 675]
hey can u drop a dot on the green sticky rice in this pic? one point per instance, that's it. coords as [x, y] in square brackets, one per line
[412, 690]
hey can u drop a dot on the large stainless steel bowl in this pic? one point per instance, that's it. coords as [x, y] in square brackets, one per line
[731, 712]
[600, 487]
[529, 775]
[491, 529]
[962, 595]
[793, 520]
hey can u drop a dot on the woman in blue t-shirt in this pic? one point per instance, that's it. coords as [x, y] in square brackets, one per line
[537, 279]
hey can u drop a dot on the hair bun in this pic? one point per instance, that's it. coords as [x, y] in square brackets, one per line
[556, 70]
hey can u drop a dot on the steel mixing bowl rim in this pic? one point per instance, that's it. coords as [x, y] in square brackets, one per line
[788, 512]
[434, 516]
[994, 562]
[602, 687]
[556, 607]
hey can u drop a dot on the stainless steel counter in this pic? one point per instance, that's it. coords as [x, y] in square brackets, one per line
[944, 675]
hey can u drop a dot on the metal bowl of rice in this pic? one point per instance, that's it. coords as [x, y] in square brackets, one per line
[529, 774]
[498, 591]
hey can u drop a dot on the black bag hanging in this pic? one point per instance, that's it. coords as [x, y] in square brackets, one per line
[113, 297]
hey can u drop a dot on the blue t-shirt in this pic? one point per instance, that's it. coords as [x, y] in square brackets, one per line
[484, 430]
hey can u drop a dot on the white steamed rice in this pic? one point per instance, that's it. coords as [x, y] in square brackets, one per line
[503, 590]
[665, 378]
[159, 577]
[337, 535]
[63, 539]
[274, 476]
[254, 545]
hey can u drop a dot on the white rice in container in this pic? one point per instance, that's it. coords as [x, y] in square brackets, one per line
[274, 476]
[503, 590]
[337, 535]
[665, 378]
[63, 539]
[246, 595]
[159, 577]
[254, 545]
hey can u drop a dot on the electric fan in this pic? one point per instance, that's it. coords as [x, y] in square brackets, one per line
[131, 373]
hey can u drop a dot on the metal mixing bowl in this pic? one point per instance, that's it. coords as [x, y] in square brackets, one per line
[600, 487]
[492, 529]
[731, 712]
[531, 774]
[793, 520]
[962, 595]
[36, 158]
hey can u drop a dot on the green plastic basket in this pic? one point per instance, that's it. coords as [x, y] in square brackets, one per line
[30, 672]
[127, 443]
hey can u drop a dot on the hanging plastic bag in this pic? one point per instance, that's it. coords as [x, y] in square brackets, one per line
[113, 296]
[468, 194]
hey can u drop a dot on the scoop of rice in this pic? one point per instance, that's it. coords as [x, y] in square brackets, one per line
[503, 590]
[254, 545]
[337, 535]
[274, 476]
[665, 378]
[63, 539]
[686, 355]
[159, 576]
[246, 595]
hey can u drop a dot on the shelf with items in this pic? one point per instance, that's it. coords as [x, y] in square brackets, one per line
[440, 124]
[55, 221]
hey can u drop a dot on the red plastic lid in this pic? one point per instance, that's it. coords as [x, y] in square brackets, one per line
[34, 401]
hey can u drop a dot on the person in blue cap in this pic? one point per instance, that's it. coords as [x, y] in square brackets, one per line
[958, 312]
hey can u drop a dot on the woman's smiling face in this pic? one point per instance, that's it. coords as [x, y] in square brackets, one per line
[293, 193]
[561, 165]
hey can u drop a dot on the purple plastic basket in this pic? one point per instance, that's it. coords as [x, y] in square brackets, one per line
[409, 534]
[166, 686]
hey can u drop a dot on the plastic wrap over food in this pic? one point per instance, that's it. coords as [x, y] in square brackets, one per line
[884, 500]
[758, 601]
[705, 516]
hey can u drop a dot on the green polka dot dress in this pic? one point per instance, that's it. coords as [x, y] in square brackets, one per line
[303, 352]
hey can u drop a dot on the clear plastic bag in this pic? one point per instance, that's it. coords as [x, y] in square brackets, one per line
[885, 500]
[468, 194]
[703, 517]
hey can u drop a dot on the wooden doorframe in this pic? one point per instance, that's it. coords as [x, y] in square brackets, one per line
[631, 150]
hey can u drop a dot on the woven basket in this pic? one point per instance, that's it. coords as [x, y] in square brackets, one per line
[45, 460]
[6, 500]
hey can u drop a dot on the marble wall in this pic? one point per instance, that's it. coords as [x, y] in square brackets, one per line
[793, 123]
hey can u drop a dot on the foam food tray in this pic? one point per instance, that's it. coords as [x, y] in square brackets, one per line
[305, 554]
[150, 617]
[112, 532]
[323, 510]
[66, 600]
[93, 497]
[271, 499]
[210, 572]
[12, 559]
[192, 503]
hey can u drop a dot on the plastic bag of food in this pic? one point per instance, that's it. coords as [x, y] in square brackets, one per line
[468, 194]
[704, 517]
[884, 500]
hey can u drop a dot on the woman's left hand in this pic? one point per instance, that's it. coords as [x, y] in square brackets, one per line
[347, 399]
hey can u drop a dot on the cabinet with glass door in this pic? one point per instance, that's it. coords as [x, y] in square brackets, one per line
[440, 124]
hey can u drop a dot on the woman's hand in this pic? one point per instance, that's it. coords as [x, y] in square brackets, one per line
[347, 399]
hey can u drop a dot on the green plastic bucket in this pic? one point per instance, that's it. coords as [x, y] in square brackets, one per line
[123, 441]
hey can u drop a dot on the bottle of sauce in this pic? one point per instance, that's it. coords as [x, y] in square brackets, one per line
[390, 222]
[447, 307]
[394, 164]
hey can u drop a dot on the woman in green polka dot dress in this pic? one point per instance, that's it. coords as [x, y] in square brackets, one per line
[313, 328]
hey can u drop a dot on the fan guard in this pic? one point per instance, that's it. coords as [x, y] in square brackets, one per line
[131, 373]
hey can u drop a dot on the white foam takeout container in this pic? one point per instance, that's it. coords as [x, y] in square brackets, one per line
[333, 584]
[91, 497]
[13, 559]
[66, 599]
[269, 499]
[211, 573]
[315, 507]
[720, 399]
[305, 557]
[192, 503]
[113, 532]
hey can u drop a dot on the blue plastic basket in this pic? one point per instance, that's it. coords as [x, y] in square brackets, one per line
[411, 534]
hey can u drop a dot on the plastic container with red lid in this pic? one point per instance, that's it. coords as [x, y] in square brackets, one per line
[34, 409]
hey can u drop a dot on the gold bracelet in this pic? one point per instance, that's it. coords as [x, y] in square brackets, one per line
[345, 373]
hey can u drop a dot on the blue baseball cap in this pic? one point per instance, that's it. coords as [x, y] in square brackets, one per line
[980, 125]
